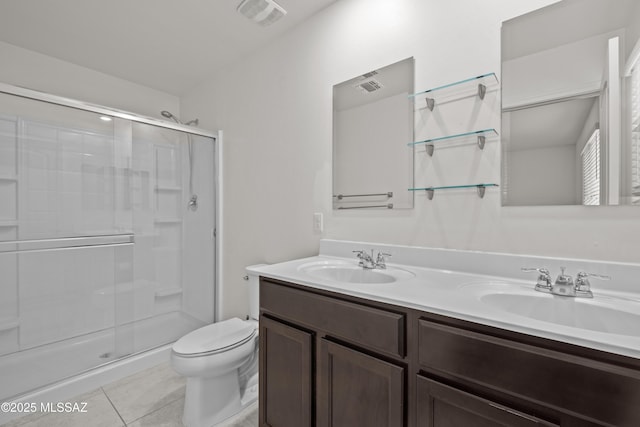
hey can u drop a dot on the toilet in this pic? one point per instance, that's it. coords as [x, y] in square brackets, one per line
[220, 362]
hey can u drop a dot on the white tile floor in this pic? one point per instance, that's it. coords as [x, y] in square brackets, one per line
[153, 397]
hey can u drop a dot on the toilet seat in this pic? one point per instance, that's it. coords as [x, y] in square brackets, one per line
[215, 338]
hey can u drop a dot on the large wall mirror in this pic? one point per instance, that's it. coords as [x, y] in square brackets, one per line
[571, 105]
[372, 126]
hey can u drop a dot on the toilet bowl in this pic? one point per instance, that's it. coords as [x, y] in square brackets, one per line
[220, 362]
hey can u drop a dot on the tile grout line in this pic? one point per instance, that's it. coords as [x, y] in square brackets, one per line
[113, 406]
[156, 410]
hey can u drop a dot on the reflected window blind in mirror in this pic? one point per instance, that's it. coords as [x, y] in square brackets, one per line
[635, 135]
[591, 170]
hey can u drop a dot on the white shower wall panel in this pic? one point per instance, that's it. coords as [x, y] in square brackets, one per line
[8, 211]
[8, 178]
[69, 183]
[8, 147]
[8, 303]
[68, 292]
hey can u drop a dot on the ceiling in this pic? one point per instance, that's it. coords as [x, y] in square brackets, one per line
[551, 125]
[168, 45]
[562, 23]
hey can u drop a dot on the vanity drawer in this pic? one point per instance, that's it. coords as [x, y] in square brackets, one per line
[367, 326]
[595, 390]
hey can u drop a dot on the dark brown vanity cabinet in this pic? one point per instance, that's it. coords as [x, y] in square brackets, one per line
[355, 353]
[356, 389]
[330, 360]
[286, 372]
[496, 377]
[442, 405]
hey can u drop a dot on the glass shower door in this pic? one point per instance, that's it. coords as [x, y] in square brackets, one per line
[173, 286]
[66, 240]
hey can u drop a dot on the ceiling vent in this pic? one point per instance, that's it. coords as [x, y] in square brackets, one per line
[370, 85]
[264, 12]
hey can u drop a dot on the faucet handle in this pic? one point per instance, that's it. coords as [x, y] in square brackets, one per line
[361, 256]
[544, 278]
[383, 255]
[541, 270]
[583, 287]
[582, 276]
[381, 259]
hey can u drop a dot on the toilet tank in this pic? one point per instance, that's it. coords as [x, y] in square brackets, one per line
[254, 291]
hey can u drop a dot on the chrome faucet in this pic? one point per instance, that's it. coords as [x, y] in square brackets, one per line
[367, 261]
[544, 279]
[381, 261]
[583, 287]
[564, 284]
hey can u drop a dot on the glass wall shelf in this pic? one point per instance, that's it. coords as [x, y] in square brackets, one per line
[472, 86]
[481, 138]
[431, 190]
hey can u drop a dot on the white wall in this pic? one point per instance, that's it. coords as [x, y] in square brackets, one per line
[21, 67]
[543, 176]
[275, 109]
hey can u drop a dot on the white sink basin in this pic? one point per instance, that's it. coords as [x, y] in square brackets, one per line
[600, 314]
[345, 272]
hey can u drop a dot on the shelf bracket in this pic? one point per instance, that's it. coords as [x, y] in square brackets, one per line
[481, 190]
[482, 90]
[481, 140]
[431, 102]
[429, 149]
[430, 192]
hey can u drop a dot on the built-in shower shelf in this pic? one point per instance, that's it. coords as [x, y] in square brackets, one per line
[10, 178]
[5, 223]
[480, 188]
[474, 86]
[168, 220]
[167, 188]
[478, 137]
[168, 292]
[9, 324]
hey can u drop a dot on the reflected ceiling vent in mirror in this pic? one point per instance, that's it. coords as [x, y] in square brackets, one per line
[369, 86]
[264, 12]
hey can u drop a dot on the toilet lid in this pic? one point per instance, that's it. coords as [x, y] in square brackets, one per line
[215, 337]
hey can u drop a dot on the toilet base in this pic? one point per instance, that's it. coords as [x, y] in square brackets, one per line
[210, 401]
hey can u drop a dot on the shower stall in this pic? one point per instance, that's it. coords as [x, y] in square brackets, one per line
[102, 253]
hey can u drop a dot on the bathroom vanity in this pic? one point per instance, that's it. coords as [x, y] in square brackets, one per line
[337, 352]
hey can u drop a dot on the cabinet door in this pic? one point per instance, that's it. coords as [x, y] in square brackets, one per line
[442, 406]
[285, 375]
[355, 389]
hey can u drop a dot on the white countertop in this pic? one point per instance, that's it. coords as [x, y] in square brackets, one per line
[458, 294]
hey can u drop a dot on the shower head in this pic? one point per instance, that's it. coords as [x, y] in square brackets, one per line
[167, 114]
